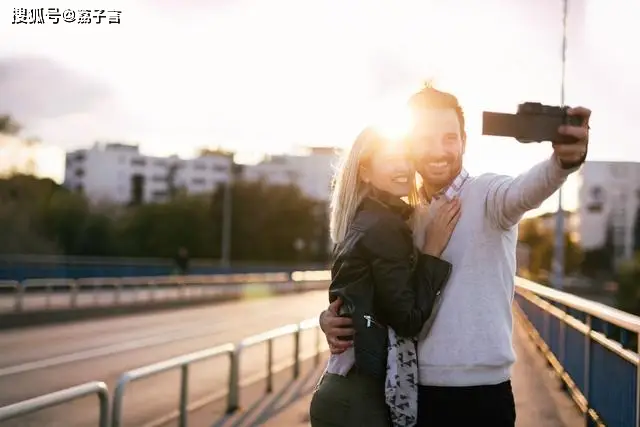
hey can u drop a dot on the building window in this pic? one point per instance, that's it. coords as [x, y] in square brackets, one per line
[595, 201]
[138, 162]
[198, 181]
[79, 172]
[137, 189]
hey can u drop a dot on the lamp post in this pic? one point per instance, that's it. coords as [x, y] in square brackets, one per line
[227, 214]
[558, 259]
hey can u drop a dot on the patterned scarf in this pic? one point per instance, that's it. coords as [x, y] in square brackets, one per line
[401, 384]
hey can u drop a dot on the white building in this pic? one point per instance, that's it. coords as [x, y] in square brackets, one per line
[609, 197]
[312, 172]
[120, 173]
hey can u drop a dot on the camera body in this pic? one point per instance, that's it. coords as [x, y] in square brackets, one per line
[534, 122]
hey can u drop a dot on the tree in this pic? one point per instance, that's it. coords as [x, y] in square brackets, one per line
[9, 126]
[628, 279]
[159, 229]
[599, 262]
[21, 201]
[267, 221]
[541, 243]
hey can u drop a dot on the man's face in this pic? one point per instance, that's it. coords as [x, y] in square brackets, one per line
[437, 146]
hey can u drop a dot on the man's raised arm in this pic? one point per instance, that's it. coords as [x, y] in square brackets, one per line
[508, 199]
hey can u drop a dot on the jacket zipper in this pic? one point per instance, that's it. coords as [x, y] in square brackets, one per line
[426, 328]
[371, 321]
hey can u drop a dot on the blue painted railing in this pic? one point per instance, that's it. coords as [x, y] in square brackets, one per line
[592, 347]
[23, 267]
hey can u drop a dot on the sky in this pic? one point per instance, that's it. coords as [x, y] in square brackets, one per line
[263, 77]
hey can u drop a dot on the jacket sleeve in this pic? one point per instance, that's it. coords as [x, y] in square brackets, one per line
[404, 296]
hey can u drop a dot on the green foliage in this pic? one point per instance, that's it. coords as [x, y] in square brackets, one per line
[8, 125]
[541, 243]
[37, 216]
[628, 279]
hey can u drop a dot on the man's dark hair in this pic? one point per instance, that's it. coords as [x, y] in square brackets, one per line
[430, 97]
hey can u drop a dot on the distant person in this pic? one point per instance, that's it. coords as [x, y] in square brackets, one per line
[387, 286]
[465, 359]
[182, 261]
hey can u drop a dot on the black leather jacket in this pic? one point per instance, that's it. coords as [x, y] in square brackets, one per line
[383, 280]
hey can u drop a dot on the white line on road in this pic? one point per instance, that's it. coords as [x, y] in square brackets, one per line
[105, 351]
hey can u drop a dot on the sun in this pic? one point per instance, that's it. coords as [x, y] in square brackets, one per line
[394, 122]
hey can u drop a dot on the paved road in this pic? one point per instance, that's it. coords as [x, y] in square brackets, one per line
[45, 359]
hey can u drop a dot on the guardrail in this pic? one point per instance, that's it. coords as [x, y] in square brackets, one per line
[592, 347]
[48, 294]
[233, 351]
[60, 397]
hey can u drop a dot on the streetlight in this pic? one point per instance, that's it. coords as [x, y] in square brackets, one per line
[227, 214]
[558, 259]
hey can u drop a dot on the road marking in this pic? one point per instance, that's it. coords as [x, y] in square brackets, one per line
[103, 351]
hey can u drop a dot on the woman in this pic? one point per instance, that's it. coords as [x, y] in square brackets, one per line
[387, 286]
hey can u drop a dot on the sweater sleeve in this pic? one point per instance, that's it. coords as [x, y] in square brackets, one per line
[508, 199]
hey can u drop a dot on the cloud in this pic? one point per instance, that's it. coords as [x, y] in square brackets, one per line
[37, 88]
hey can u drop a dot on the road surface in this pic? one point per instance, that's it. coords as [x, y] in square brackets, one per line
[40, 360]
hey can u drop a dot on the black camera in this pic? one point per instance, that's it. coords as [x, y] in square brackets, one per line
[534, 122]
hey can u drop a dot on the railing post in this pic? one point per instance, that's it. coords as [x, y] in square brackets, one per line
[269, 365]
[184, 395]
[562, 352]
[19, 302]
[587, 369]
[151, 290]
[116, 406]
[546, 332]
[73, 287]
[233, 400]
[103, 399]
[296, 352]
[47, 300]
[638, 382]
[318, 343]
[118, 293]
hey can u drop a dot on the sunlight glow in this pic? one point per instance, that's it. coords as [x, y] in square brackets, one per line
[394, 122]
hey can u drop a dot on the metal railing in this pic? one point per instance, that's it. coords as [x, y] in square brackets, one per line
[181, 362]
[47, 294]
[233, 351]
[592, 347]
[60, 397]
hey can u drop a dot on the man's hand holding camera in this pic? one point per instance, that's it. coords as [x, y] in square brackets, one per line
[573, 155]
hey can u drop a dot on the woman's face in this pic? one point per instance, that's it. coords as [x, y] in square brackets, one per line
[390, 169]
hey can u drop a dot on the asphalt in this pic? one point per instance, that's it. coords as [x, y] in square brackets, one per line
[39, 360]
[35, 361]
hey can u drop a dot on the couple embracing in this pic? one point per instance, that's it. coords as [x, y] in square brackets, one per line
[419, 323]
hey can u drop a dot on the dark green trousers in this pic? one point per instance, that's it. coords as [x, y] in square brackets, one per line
[352, 401]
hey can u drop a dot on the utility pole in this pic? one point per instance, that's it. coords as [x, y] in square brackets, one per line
[558, 259]
[227, 214]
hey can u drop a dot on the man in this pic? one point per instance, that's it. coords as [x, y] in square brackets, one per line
[465, 356]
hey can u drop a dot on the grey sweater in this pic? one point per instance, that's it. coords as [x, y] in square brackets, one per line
[470, 341]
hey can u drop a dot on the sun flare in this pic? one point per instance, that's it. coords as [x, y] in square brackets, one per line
[394, 122]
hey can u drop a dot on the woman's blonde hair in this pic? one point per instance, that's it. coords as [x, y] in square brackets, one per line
[348, 187]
